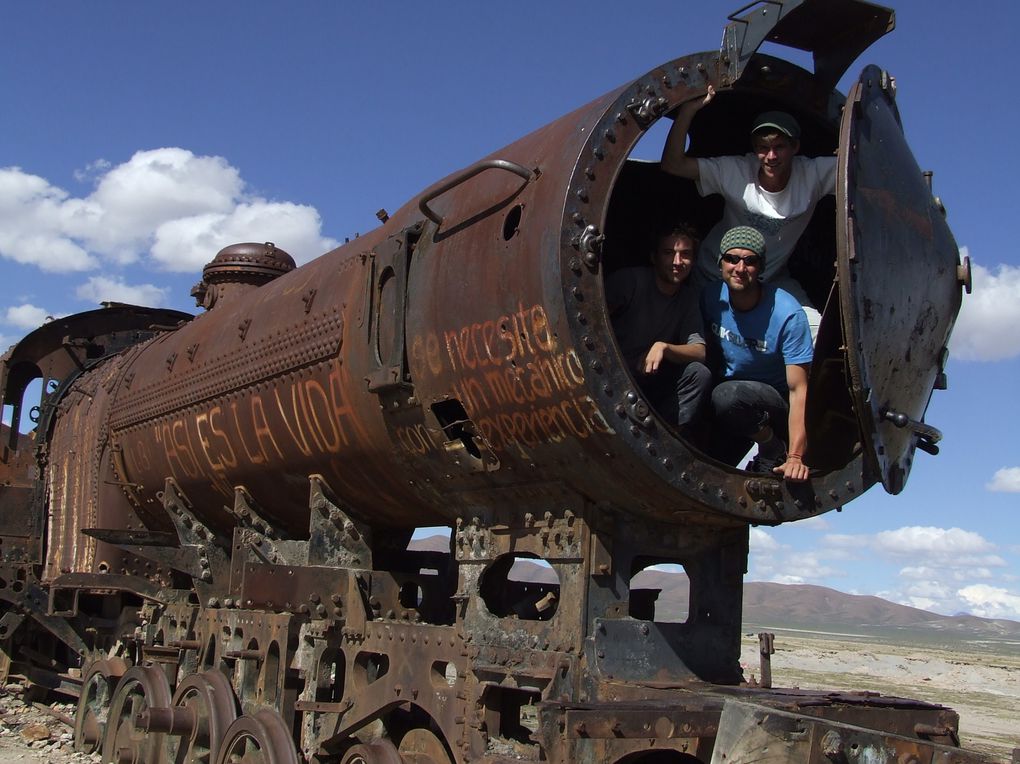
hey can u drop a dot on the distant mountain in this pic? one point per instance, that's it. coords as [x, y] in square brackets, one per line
[816, 607]
[800, 607]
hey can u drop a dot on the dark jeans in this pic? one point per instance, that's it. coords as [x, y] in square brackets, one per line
[741, 408]
[679, 394]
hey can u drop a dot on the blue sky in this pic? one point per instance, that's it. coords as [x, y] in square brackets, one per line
[137, 139]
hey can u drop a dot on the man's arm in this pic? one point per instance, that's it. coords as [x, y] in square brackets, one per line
[674, 155]
[663, 351]
[793, 468]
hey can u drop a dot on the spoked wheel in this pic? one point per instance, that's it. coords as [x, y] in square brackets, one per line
[202, 710]
[141, 690]
[261, 738]
[379, 752]
[422, 746]
[97, 688]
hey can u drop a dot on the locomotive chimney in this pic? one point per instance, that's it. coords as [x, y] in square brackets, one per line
[238, 269]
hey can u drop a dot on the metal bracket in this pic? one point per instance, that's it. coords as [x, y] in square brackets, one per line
[812, 25]
[203, 559]
[589, 243]
[927, 436]
[250, 514]
[648, 110]
[335, 538]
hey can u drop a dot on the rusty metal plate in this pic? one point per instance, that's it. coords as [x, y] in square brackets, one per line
[898, 283]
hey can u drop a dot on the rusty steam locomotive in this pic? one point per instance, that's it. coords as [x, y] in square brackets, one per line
[205, 537]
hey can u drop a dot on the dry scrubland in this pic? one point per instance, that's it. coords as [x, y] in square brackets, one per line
[980, 681]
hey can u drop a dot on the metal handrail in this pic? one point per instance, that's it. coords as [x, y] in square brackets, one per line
[469, 172]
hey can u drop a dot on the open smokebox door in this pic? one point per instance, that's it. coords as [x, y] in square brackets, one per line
[877, 258]
[899, 280]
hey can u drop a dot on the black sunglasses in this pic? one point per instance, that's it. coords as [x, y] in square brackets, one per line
[751, 261]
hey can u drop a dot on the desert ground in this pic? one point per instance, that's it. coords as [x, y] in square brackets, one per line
[981, 681]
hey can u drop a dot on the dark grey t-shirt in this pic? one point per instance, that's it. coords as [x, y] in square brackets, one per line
[641, 314]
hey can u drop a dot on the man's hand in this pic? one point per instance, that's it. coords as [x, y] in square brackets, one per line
[653, 358]
[696, 106]
[674, 154]
[793, 469]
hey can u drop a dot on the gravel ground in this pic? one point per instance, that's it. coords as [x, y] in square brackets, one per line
[30, 735]
[983, 687]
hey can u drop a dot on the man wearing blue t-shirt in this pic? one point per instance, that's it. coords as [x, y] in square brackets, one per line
[759, 345]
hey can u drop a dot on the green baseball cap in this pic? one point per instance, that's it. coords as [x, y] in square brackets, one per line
[777, 120]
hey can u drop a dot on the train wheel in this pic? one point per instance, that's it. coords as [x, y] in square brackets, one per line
[380, 752]
[94, 703]
[204, 703]
[262, 738]
[141, 689]
[422, 746]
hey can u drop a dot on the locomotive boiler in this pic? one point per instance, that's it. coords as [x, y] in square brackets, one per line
[205, 536]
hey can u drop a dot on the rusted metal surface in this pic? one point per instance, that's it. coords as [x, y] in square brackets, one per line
[215, 557]
[897, 337]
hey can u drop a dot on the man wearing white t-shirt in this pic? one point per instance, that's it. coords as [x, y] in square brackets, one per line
[772, 190]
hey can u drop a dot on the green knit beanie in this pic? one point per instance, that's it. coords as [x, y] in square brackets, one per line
[743, 237]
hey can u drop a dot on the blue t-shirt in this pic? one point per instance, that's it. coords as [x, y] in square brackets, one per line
[757, 344]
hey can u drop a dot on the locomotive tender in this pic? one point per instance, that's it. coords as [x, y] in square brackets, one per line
[205, 538]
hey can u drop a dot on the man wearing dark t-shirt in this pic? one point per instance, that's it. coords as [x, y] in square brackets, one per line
[658, 327]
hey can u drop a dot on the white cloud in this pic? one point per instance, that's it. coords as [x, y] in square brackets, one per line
[1006, 480]
[816, 523]
[988, 328]
[26, 316]
[844, 540]
[92, 170]
[913, 540]
[785, 578]
[177, 208]
[949, 548]
[185, 244]
[761, 541]
[963, 574]
[103, 289]
[919, 572]
[991, 601]
[32, 224]
[814, 566]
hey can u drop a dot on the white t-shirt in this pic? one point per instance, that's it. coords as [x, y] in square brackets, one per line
[781, 216]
